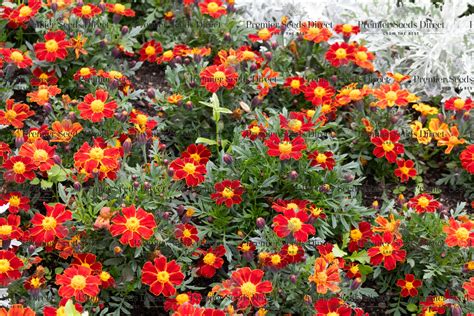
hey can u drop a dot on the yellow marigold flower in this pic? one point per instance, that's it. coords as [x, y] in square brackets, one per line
[425, 109]
[422, 134]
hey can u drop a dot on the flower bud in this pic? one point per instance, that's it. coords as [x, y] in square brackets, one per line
[293, 278]
[19, 141]
[441, 117]
[47, 108]
[293, 175]
[116, 52]
[227, 159]
[268, 55]
[325, 188]
[166, 162]
[72, 116]
[187, 61]
[98, 31]
[456, 310]
[162, 147]
[80, 3]
[102, 6]
[127, 146]
[150, 93]
[147, 185]
[178, 59]
[116, 18]
[117, 250]
[260, 222]
[188, 105]
[356, 284]
[54, 6]
[227, 37]
[57, 160]
[274, 44]
[124, 30]
[166, 215]
[349, 177]
[136, 184]
[375, 205]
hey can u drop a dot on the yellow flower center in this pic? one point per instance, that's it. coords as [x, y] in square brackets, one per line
[248, 55]
[228, 193]
[314, 30]
[86, 9]
[85, 71]
[17, 57]
[386, 249]
[182, 298]
[142, 119]
[212, 7]
[97, 106]
[219, 77]
[354, 94]
[104, 276]
[246, 247]
[5, 266]
[19, 167]
[341, 53]
[209, 259]
[189, 168]
[462, 234]
[470, 265]
[294, 224]
[255, 130]
[276, 259]
[35, 282]
[321, 277]
[14, 201]
[310, 113]
[319, 91]
[391, 96]
[362, 56]
[458, 103]
[264, 34]
[43, 94]
[187, 233]
[115, 74]
[195, 157]
[40, 155]
[321, 158]
[388, 145]
[295, 84]
[150, 50]
[119, 8]
[405, 170]
[332, 314]
[356, 234]
[51, 46]
[347, 28]
[423, 201]
[6, 229]
[295, 125]
[96, 153]
[398, 76]
[438, 301]
[61, 311]
[49, 223]
[354, 269]
[292, 206]
[285, 147]
[10, 115]
[163, 277]
[248, 289]
[132, 224]
[168, 54]
[409, 285]
[292, 250]
[78, 282]
[25, 11]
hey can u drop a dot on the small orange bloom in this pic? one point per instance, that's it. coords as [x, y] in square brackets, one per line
[40, 152]
[450, 139]
[64, 131]
[459, 234]
[389, 95]
[15, 113]
[326, 276]
[315, 32]
[43, 94]
[387, 225]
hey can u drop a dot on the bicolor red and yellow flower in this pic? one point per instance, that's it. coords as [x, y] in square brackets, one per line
[133, 225]
[162, 276]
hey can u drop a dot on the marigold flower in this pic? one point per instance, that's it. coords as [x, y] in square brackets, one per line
[213, 8]
[88, 260]
[199, 153]
[19, 169]
[17, 57]
[21, 15]
[10, 227]
[16, 201]
[294, 223]
[458, 104]
[315, 32]
[134, 225]
[96, 108]
[255, 130]
[387, 225]
[409, 285]
[367, 125]
[264, 34]
[10, 265]
[340, 54]
[324, 160]
[77, 44]
[425, 109]
[249, 289]
[292, 253]
[352, 270]
[43, 94]
[40, 152]
[166, 57]
[189, 299]
[286, 148]
[333, 306]
[298, 123]
[54, 47]
[467, 159]
[274, 261]
[450, 139]
[43, 78]
[469, 287]
[281, 206]
[398, 77]
[422, 135]
[15, 113]
[389, 95]
[17, 310]
[246, 53]
[47, 227]
[405, 170]
[162, 276]
[296, 84]
[346, 29]
[150, 51]
[424, 203]
[359, 236]
[211, 261]
[363, 58]
[78, 282]
[86, 11]
[319, 92]
[459, 234]
[99, 158]
[437, 304]
[119, 9]
[326, 276]
[350, 93]
[64, 131]
[386, 145]
[386, 250]
[34, 283]
[188, 169]
[84, 73]
[228, 192]
[215, 77]
[187, 234]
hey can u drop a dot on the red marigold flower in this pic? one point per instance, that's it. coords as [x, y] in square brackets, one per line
[162, 276]
[188, 169]
[119, 9]
[214, 77]
[9, 267]
[43, 94]
[78, 282]
[409, 285]
[96, 108]
[359, 236]
[298, 123]
[47, 227]
[249, 289]
[17, 202]
[211, 261]
[86, 11]
[315, 212]
[458, 104]
[292, 253]
[346, 29]
[40, 152]
[34, 284]
[54, 47]
[150, 51]
[21, 15]
[99, 158]
[467, 159]
[264, 34]
[18, 169]
[390, 95]
[106, 279]
[189, 298]
[352, 270]
[340, 54]
[319, 92]
[315, 32]
[386, 250]
[187, 234]
[424, 203]
[142, 124]
[229, 192]
[5, 150]
[88, 260]
[84, 73]
[17, 310]
[469, 287]
[326, 276]
[43, 78]
[291, 222]
[459, 234]
[438, 303]
[10, 227]
[213, 8]
[286, 148]
[296, 84]
[274, 261]
[324, 160]
[398, 77]
[283, 205]
[332, 306]
[64, 131]
[166, 57]
[199, 153]
[134, 225]
[17, 57]
[254, 131]
[15, 113]
[246, 53]
[405, 170]
[386, 145]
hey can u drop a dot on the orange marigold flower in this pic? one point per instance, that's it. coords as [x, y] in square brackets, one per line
[188, 169]
[350, 93]
[326, 276]
[249, 289]
[54, 47]
[19, 169]
[386, 145]
[47, 227]
[359, 236]
[199, 153]
[363, 58]
[15, 113]
[422, 135]
[40, 152]
[86, 11]
[43, 94]
[469, 287]
[386, 250]
[340, 54]
[175, 98]
[398, 77]
[77, 43]
[405, 170]
[150, 51]
[315, 32]
[424, 203]
[184, 299]
[119, 9]
[134, 225]
[467, 159]
[298, 123]
[187, 234]
[387, 225]
[43, 78]
[213, 8]
[319, 92]
[229, 192]
[324, 160]
[425, 109]
[264, 34]
[166, 57]
[78, 282]
[215, 77]
[162, 276]
[409, 285]
[96, 108]
[285, 148]
[17, 310]
[17, 57]
[64, 131]
[459, 234]
[346, 29]
[389, 95]
[458, 104]
[246, 53]
[99, 158]
[294, 223]
[367, 125]
[450, 139]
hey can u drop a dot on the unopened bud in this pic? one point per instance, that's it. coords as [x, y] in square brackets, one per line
[260, 222]
[124, 30]
[356, 284]
[166, 215]
[136, 184]
[456, 310]
[47, 108]
[349, 177]
[227, 159]
[150, 93]
[268, 55]
[293, 278]
[57, 160]
[147, 185]
[127, 146]
[227, 37]
[293, 175]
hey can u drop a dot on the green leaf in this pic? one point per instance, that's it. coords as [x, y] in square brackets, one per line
[70, 309]
[338, 253]
[46, 184]
[203, 140]
[35, 181]
[365, 270]
[412, 307]
[361, 257]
